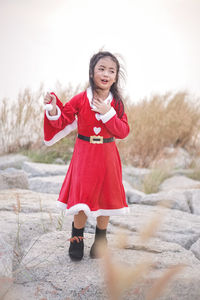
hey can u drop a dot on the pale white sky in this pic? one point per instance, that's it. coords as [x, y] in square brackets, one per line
[53, 40]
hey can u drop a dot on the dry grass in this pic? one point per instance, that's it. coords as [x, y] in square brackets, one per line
[120, 277]
[153, 180]
[20, 121]
[162, 121]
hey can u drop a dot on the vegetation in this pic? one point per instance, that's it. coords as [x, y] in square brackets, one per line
[171, 120]
[153, 180]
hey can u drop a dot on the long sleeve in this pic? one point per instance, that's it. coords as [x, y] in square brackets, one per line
[58, 126]
[118, 127]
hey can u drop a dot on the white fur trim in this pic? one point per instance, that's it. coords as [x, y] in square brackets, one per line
[61, 134]
[90, 97]
[74, 210]
[61, 205]
[106, 117]
[56, 117]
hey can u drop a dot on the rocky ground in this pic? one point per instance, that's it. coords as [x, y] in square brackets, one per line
[34, 262]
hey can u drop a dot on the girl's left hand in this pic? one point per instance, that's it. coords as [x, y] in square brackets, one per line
[100, 106]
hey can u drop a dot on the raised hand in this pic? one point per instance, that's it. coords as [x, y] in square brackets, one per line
[50, 103]
[100, 106]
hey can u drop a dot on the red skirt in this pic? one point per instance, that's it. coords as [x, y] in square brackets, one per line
[93, 182]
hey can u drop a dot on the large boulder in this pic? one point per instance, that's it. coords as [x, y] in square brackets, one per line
[176, 158]
[6, 258]
[196, 248]
[46, 271]
[57, 277]
[195, 201]
[39, 169]
[49, 184]
[13, 178]
[179, 182]
[176, 227]
[134, 176]
[132, 195]
[175, 199]
[12, 161]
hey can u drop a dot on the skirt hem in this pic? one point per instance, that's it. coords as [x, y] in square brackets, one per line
[74, 210]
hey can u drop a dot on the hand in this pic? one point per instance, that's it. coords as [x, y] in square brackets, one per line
[50, 104]
[100, 106]
[49, 98]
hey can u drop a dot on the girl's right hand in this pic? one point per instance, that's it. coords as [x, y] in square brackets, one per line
[49, 98]
[50, 103]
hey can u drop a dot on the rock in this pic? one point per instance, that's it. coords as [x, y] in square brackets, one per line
[47, 272]
[177, 226]
[59, 161]
[38, 214]
[85, 279]
[12, 178]
[176, 158]
[179, 182]
[30, 202]
[132, 195]
[12, 161]
[38, 169]
[6, 258]
[175, 200]
[50, 184]
[134, 176]
[196, 248]
[195, 202]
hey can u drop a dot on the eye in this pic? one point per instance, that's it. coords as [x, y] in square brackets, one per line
[101, 69]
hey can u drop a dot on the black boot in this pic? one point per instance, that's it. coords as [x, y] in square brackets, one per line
[76, 247]
[100, 238]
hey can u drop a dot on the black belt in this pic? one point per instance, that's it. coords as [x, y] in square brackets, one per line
[95, 139]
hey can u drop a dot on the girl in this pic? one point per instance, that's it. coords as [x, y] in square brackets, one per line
[93, 184]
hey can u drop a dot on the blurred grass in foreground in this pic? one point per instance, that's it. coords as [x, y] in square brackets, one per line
[170, 120]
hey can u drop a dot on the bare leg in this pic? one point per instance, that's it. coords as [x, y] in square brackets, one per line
[80, 220]
[102, 222]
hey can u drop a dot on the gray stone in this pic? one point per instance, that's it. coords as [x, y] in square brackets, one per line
[195, 202]
[12, 161]
[196, 248]
[50, 184]
[39, 169]
[177, 227]
[6, 258]
[47, 272]
[179, 182]
[132, 195]
[37, 215]
[59, 161]
[176, 158]
[134, 176]
[12, 178]
[175, 199]
[47, 261]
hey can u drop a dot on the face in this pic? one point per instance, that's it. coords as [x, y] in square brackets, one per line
[105, 72]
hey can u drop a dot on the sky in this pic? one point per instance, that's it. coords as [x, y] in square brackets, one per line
[46, 41]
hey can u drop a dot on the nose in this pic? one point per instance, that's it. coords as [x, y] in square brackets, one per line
[105, 73]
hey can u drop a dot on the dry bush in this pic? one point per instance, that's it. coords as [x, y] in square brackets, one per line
[20, 121]
[162, 121]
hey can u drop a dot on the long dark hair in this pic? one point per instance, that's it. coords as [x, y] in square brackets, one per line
[119, 105]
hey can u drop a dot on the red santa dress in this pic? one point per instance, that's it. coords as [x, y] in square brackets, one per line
[93, 182]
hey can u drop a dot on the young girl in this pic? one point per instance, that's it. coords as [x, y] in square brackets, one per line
[93, 184]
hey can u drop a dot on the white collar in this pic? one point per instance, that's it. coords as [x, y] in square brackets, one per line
[90, 96]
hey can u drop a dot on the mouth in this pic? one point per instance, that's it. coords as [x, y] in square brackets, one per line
[104, 81]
